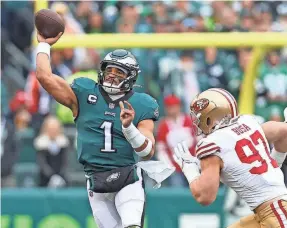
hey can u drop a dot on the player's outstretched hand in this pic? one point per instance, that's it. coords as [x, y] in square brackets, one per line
[127, 115]
[50, 41]
[182, 155]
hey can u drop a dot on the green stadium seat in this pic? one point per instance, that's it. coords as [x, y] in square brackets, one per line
[26, 174]
[27, 151]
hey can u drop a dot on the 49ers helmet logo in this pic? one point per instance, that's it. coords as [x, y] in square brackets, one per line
[200, 104]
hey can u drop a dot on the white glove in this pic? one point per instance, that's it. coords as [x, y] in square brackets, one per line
[56, 181]
[285, 114]
[188, 163]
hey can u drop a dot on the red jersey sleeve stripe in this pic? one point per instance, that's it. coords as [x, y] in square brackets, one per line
[213, 149]
[204, 147]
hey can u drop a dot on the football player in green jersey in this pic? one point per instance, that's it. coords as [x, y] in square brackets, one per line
[114, 130]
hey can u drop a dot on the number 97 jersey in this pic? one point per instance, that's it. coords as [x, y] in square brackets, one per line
[247, 166]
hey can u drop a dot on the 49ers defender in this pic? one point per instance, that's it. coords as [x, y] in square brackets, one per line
[235, 150]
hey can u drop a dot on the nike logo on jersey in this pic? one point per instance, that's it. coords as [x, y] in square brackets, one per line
[111, 105]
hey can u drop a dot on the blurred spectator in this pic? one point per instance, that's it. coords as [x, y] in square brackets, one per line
[18, 102]
[51, 146]
[247, 5]
[125, 27]
[18, 21]
[9, 152]
[15, 128]
[214, 69]
[22, 121]
[281, 24]
[95, 23]
[189, 25]
[228, 20]
[273, 76]
[159, 12]
[200, 21]
[172, 129]
[183, 7]
[71, 24]
[129, 12]
[21, 117]
[83, 10]
[263, 17]
[37, 97]
[177, 75]
[190, 81]
[38, 100]
[236, 71]
[247, 21]
[57, 62]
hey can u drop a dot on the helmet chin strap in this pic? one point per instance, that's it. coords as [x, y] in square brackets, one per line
[110, 89]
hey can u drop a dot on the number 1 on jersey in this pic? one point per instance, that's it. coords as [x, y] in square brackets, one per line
[108, 141]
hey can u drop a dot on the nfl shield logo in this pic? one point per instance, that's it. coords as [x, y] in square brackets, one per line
[111, 105]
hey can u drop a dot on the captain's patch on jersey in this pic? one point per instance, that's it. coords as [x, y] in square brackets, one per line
[92, 99]
[200, 104]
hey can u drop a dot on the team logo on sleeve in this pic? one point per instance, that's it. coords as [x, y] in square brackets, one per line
[92, 99]
[200, 104]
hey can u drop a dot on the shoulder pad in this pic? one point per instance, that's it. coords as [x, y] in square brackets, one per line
[85, 83]
[206, 147]
[150, 106]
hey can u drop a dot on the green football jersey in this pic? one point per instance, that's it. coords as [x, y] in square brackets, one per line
[101, 145]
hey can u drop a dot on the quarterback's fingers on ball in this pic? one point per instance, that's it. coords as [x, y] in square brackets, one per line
[130, 107]
[122, 105]
[40, 38]
[59, 35]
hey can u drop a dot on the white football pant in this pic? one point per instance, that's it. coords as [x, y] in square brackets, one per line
[121, 209]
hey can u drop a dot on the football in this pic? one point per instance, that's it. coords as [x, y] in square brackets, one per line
[48, 23]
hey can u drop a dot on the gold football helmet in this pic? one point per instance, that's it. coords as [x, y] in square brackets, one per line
[212, 109]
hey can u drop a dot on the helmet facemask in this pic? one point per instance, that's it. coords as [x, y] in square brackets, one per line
[128, 66]
[113, 81]
[195, 122]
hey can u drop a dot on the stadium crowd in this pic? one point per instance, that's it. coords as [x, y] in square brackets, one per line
[38, 134]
